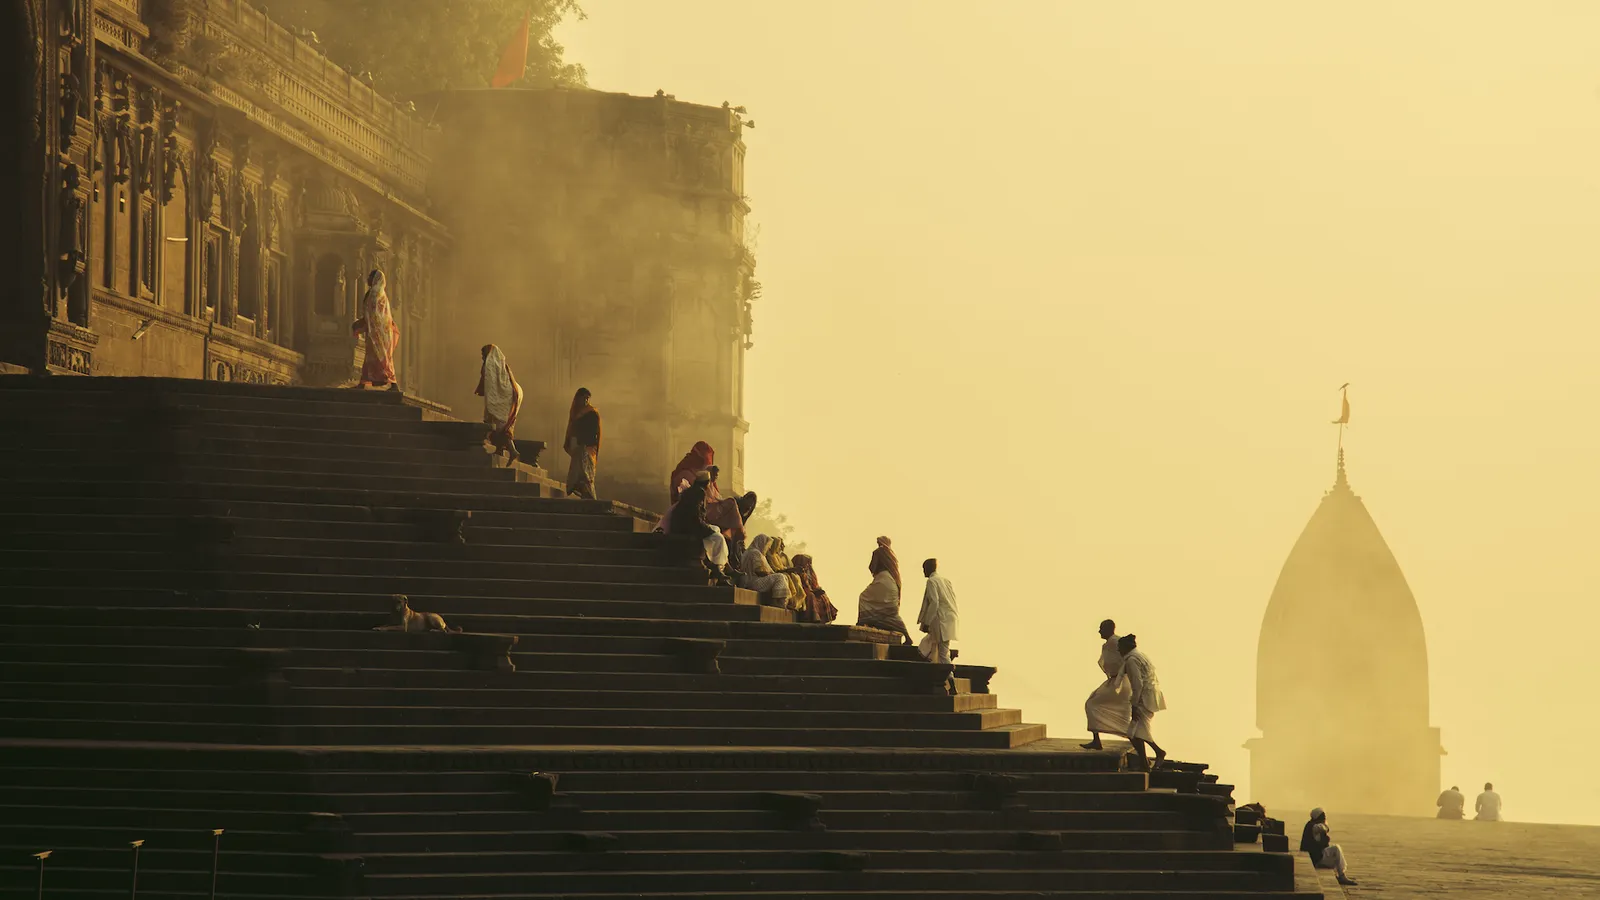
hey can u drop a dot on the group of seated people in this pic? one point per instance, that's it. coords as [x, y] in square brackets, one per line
[699, 509]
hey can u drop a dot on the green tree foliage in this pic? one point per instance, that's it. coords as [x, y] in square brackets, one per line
[412, 46]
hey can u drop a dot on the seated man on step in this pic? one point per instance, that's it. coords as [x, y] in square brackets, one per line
[1316, 842]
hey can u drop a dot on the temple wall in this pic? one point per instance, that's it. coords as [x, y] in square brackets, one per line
[190, 201]
[600, 243]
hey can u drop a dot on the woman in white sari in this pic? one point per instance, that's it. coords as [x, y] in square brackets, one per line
[879, 605]
[382, 335]
[755, 574]
[502, 398]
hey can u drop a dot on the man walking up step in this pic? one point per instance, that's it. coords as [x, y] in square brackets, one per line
[1147, 699]
[938, 617]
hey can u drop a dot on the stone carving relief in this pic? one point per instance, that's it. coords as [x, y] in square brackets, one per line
[73, 359]
[71, 99]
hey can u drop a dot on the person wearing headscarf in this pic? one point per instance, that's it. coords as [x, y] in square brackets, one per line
[1145, 697]
[778, 559]
[755, 574]
[689, 518]
[382, 335]
[502, 398]
[699, 458]
[879, 604]
[819, 608]
[938, 617]
[582, 443]
[1317, 842]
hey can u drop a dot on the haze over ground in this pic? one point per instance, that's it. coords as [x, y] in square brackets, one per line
[1061, 292]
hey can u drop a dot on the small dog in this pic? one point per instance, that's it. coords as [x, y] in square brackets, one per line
[409, 620]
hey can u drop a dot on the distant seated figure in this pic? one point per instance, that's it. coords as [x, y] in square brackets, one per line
[1452, 804]
[1488, 805]
[879, 605]
[729, 515]
[689, 518]
[1317, 842]
[755, 574]
[778, 560]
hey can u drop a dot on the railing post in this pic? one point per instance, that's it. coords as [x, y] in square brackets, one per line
[216, 849]
[133, 881]
[41, 857]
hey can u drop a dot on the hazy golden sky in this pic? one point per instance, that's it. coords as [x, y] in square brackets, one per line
[1061, 293]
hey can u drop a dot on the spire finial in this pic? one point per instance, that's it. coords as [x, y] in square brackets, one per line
[1340, 482]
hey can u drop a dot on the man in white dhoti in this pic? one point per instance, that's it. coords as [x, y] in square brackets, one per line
[938, 617]
[1488, 805]
[1109, 708]
[1146, 699]
[1317, 842]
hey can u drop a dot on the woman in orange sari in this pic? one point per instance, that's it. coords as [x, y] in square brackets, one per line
[582, 443]
[382, 335]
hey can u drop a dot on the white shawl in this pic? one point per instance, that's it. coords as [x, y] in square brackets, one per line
[501, 393]
[379, 321]
[882, 596]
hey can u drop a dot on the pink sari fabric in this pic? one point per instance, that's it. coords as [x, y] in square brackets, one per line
[382, 334]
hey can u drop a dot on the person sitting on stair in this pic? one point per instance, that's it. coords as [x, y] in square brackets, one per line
[689, 519]
[1316, 842]
[755, 574]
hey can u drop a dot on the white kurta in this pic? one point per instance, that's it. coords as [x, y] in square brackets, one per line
[1145, 693]
[939, 614]
[1109, 707]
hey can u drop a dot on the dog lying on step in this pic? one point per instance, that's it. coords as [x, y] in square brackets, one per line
[409, 620]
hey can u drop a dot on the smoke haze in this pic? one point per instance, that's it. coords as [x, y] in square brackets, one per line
[1062, 292]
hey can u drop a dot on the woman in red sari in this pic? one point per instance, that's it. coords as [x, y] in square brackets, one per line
[582, 443]
[699, 458]
[382, 335]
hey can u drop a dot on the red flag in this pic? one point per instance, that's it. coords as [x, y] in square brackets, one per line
[514, 58]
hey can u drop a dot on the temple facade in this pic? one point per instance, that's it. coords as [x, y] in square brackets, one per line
[1342, 675]
[195, 191]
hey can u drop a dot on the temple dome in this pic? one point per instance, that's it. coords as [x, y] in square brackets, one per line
[1342, 671]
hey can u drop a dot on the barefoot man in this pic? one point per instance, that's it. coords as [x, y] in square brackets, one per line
[1146, 695]
[1108, 708]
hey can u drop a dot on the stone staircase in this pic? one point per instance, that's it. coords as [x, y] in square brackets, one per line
[189, 577]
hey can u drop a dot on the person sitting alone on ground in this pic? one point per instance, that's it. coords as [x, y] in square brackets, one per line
[502, 398]
[689, 519]
[1452, 804]
[1488, 805]
[879, 605]
[1317, 842]
[755, 574]
[1146, 699]
[939, 616]
[1109, 708]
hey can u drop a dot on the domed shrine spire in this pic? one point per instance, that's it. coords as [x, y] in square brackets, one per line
[1342, 674]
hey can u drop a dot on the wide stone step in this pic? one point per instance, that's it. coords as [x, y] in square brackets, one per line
[282, 488]
[68, 464]
[742, 883]
[281, 519]
[298, 712]
[332, 784]
[654, 553]
[152, 634]
[130, 386]
[132, 729]
[374, 404]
